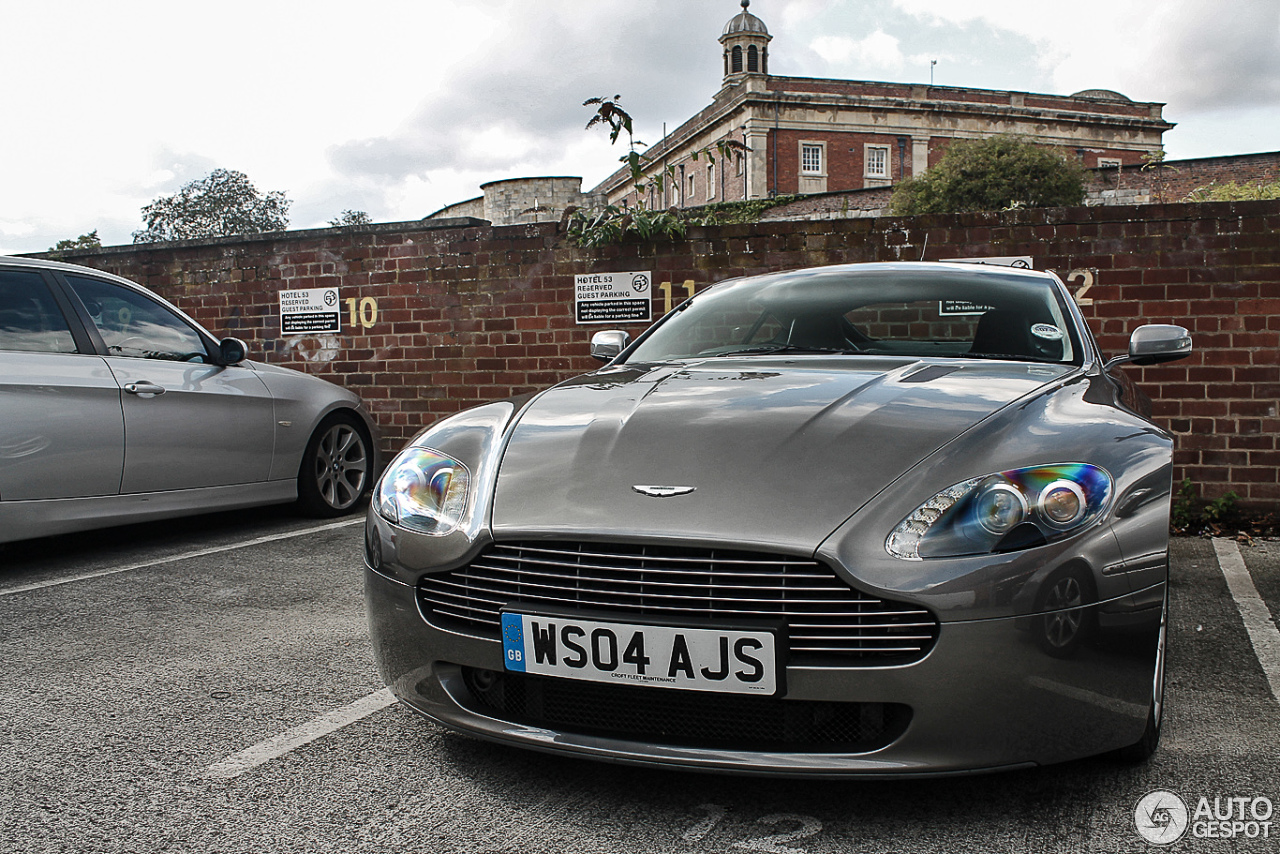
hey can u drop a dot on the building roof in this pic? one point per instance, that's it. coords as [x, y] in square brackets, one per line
[745, 22]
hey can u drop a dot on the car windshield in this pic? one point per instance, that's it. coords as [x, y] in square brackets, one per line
[918, 310]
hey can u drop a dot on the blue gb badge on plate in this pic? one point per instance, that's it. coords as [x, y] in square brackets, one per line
[513, 641]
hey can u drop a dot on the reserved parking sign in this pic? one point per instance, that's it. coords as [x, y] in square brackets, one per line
[310, 311]
[613, 297]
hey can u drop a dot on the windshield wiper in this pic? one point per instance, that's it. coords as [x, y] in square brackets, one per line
[783, 348]
[1005, 357]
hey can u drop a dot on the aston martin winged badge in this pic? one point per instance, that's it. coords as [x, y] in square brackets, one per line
[663, 491]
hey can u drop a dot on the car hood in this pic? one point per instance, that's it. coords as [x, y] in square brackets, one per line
[779, 452]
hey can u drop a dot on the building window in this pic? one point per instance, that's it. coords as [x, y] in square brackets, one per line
[1109, 162]
[693, 191]
[753, 58]
[737, 59]
[877, 162]
[811, 158]
[711, 180]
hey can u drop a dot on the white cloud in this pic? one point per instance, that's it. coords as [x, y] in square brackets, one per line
[1197, 54]
[879, 51]
[399, 107]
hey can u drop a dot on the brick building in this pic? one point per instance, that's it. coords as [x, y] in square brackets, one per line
[808, 135]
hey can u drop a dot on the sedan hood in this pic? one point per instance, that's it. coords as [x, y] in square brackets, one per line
[779, 452]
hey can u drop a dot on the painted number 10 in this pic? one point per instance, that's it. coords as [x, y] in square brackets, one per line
[366, 314]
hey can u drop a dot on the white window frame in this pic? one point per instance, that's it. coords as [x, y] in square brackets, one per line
[807, 146]
[1110, 162]
[868, 159]
[711, 180]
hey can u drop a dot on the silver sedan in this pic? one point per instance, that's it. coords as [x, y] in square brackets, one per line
[880, 519]
[117, 407]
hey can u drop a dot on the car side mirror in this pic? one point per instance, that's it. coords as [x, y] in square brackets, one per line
[606, 345]
[1155, 343]
[232, 351]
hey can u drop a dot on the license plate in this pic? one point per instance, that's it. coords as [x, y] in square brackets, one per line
[694, 659]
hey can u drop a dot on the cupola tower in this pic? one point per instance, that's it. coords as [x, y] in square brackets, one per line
[746, 46]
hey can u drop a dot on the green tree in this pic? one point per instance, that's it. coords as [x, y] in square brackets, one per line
[997, 173]
[350, 217]
[222, 203]
[84, 241]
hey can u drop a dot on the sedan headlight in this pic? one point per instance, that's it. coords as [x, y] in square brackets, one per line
[1001, 512]
[424, 490]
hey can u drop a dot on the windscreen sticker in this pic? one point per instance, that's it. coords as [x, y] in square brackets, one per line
[1047, 331]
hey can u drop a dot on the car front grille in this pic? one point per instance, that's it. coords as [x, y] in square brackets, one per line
[827, 622]
[684, 718]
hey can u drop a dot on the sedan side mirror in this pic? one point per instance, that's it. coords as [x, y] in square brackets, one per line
[1155, 343]
[606, 345]
[232, 351]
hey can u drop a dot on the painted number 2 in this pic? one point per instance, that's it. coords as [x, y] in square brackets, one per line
[1087, 278]
[774, 843]
[808, 827]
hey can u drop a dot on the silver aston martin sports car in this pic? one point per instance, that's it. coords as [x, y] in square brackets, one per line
[116, 407]
[878, 519]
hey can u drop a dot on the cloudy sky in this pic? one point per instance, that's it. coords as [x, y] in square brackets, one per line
[400, 107]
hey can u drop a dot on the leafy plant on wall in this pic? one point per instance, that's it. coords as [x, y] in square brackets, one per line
[612, 223]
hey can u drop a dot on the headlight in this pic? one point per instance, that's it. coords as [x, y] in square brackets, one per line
[1002, 512]
[424, 490]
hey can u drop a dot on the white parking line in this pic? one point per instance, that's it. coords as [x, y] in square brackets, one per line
[1257, 618]
[40, 585]
[285, 742]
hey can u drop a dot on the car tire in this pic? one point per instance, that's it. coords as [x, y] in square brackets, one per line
[337, 467]
[1141, 750]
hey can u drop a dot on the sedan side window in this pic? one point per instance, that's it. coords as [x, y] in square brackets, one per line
[133, 325]
[30, 319]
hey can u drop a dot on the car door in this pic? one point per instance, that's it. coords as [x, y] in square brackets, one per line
[188, 422]
[61, 424]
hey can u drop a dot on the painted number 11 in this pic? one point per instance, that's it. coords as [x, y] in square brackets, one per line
[666, 288]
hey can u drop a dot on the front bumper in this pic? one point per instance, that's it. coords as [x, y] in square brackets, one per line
[986, 697]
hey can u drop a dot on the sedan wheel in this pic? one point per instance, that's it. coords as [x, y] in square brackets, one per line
[335, 468]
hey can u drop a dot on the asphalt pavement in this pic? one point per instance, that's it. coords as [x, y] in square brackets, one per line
[206, 685]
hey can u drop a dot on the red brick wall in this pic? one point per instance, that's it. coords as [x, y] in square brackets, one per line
[466, 315]
[1180, 177]
[845, 154]
[865, 89]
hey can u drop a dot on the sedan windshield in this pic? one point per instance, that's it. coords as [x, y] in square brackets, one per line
[909, 310]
